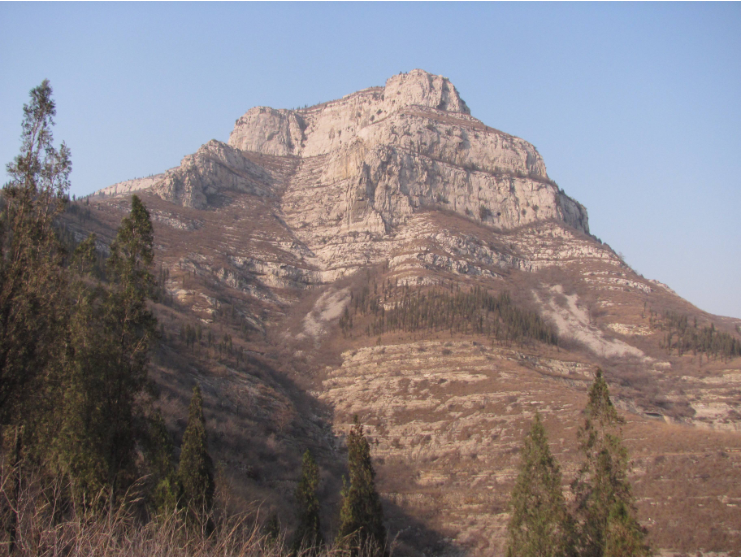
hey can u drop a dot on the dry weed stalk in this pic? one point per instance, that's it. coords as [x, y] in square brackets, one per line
[48, 526]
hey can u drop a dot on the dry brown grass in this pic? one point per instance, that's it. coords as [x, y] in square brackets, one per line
[46, 526]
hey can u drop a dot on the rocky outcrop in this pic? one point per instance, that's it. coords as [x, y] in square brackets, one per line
[407, 146]
[324, 128]
[269, 131]
[358, 171]
[214, 168]
[130, 186]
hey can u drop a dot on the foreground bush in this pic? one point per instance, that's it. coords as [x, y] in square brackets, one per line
[47, 525]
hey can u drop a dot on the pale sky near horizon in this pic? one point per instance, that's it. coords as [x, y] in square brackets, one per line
[635, 107]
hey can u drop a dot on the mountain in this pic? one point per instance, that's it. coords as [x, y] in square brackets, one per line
[389, 255]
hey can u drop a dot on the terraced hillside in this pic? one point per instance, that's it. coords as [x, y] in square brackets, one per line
[348, 259]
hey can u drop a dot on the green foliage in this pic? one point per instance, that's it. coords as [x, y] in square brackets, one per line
[272, 530]
[624, 536]
[32, 282]
[683, 337]
[605, 521]
[604, 502]
[476, 311]
[129, 264]
[361, 515]
[195, 470]
[73, 349]
[165, 487]
[540, 525]
[308, 536]
[105, 379]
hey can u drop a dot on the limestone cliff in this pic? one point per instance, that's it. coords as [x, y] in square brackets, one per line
[382, 154]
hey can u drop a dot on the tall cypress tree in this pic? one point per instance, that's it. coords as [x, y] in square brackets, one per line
[540, 525]
[308, 536]
[109, 337]
[361, 515]
[32, 281]
[605, 506]
[132, 329]
[77, 451]
[195, 470]
[32, 291]
[164, 480]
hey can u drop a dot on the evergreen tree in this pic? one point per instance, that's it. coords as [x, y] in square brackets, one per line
[73, 352]
[308, 536]
[32, 281]
[361, 515]
[540, 525]
[195, 470]
[32, 291]
[605, 510]
[78, 450]
[131, 329]
[159, 452]
[105, 386]
[272, 531]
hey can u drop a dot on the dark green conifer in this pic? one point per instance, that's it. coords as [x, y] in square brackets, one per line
[110, 334]
[78, 449]
[164, 480]
[195, 470]
[606, 515]
[540, 525]
[134, 329]
[271, 531]
[361, 515]
[308, 536]
[32, 279]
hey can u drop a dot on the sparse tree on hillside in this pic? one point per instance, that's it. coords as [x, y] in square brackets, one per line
[361, 515]
[308, 536]
[540, 525]
[195, 470]
[606, 516]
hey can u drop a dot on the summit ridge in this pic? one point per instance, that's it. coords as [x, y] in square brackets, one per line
[368, 163]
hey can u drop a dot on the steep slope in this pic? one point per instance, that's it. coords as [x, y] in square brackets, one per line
[311, 251]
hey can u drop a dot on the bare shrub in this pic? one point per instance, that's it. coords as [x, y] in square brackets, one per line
[47, 527]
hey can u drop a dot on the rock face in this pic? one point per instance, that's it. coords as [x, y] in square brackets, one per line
[128, 187]
[214, 168]
[374, 158]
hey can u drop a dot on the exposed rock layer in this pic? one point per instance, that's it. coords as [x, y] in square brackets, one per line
[370, 160]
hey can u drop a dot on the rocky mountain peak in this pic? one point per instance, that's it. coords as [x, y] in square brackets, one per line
[319, 129]
[370, 160]
[421, 88]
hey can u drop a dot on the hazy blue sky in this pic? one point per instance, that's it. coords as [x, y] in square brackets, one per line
[635, 107]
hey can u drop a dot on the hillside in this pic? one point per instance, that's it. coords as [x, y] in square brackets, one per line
[389, 255]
